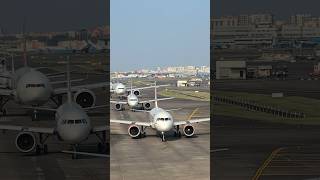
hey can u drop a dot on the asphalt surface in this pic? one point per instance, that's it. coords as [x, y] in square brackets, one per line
[149, 158]
[255, 150]
[54, 165]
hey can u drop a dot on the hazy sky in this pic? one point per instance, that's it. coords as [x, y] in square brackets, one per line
[152, 33]
[53, 15]
[281, 8]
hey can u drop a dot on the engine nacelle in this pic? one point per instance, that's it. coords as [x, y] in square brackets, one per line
[134, 131]
[147, 106]
[85, 98]
[26, 142]
[188, 130]
[119, 107]
[136, 92]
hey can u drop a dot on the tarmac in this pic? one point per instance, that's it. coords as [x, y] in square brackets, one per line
[149, 158]
[54, 165]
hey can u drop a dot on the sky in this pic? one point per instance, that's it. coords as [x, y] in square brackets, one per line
[159, 33]
[280, 8]
[52, 15]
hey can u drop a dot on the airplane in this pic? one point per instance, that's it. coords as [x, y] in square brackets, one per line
[29, 86]
[133, 101]
[160, 120]
[73, 126]
[121, 90]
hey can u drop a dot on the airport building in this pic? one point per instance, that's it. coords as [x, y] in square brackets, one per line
[263, 31]
[231, 69]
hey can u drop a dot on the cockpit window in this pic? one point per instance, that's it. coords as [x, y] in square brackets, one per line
[78, 121]
[35, 85]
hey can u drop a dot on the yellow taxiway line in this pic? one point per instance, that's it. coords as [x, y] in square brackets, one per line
[193, 113]
[266, 163]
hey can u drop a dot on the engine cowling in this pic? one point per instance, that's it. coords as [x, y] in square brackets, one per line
[147, 106]
[188, 130]
[134, 131]
[119, 107]
[25, 142]
[85, 98]
[136, 92]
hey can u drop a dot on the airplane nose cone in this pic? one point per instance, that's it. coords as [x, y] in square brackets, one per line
[164, 126]
[74, 134]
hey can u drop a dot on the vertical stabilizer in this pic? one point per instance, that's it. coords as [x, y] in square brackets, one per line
[155, 95]
[68, 79]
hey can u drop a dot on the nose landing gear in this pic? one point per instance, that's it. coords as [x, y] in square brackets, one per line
[163, 139]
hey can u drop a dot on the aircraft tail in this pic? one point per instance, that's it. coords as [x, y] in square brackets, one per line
[68, 79]
[155, 95]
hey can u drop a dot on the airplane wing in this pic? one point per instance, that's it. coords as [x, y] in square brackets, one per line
[130, 122]
[100, 128]
[87, 154]
[65, 81]
[148, 87]
[159, 99]
[28, 129]
[40, 108]
[64, 90]
[6, 92]
[191, 121]
[118, 102]
[95, 107]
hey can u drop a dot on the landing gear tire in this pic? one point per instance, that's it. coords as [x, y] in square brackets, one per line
[143, 134]
[38, 149]
[4, 112]
[45, 149]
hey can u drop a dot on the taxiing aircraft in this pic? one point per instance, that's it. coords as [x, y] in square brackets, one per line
[28, 86]
[160, 120]
[73, 126]
[133, 101]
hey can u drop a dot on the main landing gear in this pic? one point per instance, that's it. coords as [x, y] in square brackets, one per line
[177, 132]
[41, 146]
[3, 102]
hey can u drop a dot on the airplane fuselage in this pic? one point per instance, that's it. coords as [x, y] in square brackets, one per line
[31, 87]
[73, 123]
[161, 120]
[132, 100]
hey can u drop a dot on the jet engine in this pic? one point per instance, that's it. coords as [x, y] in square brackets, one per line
[134, 131]
[136, 92]
[147, 106]
[85, 98]
[119, 107]
[25, 142]
[188, 130]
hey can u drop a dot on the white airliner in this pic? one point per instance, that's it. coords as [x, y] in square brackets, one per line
[160, 120]
[73, 126]
[133, 101]
[28, 86]
[121, 90]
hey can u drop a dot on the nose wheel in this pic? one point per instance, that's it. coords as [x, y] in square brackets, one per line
[163, 139]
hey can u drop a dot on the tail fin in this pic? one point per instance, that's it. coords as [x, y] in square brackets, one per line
[24, 43]
[155, 95]
[12, 64]
[68, 79]
[131, 89]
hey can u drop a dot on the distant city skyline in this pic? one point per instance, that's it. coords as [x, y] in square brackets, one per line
[281, 8]
[49, 16]
[150, 34]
